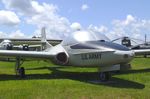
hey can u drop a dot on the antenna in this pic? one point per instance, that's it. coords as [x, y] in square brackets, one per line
[145, 38]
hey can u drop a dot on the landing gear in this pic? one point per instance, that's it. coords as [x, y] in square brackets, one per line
[145, 56]
[105, 76]
[20, 71]
[105, 71]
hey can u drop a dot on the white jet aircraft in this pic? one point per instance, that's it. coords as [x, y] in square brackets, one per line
[82, 48]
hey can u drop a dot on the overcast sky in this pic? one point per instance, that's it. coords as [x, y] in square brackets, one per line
[114, 18]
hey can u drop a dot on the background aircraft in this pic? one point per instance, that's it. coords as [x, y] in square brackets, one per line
[133, 43]
[26, 43]
[6, 45]
[82, 48]
[30, 41]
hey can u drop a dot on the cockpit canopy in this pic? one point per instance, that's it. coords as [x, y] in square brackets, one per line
[83, 36]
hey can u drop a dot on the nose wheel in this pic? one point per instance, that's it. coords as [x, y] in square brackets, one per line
[105, 76]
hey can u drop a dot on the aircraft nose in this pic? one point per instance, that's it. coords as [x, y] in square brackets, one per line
[125, 56]
[128, 55]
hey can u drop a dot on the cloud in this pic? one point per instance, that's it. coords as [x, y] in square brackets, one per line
[101, 29]
[2, 34]
[23, 6]
[131, 27]
[84, 7]
[76, 26]
[14, 34]
[8, 18]
[17, 34]
[41, 15]
[129, 20]
[57, 26]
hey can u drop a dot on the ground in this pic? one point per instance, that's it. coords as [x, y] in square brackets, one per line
[47, 81]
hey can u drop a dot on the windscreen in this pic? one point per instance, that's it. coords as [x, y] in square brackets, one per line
[83, 36]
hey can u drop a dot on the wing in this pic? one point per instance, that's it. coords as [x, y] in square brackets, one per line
[34, 46]
[141, 51]
[26, 54]
[30, 46]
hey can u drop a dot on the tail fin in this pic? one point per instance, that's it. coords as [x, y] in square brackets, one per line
[43, 35]
[44, 42]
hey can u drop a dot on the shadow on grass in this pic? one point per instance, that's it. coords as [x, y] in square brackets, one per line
[134, 71]
[86, 77]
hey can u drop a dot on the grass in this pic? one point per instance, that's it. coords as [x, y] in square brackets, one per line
[47, 81]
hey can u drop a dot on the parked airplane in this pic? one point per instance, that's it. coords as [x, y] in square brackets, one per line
[138, 44]
[82, 48]
[7, 44]
[127, 41]
[30, 41]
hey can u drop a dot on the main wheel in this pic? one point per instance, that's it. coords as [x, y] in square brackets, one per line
[145, 56]
[22, 72]
[105, 76]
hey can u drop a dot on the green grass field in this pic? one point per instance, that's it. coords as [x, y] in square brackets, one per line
[48, 81]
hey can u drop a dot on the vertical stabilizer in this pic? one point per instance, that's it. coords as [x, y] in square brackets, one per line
[45, 44]
[43, 35]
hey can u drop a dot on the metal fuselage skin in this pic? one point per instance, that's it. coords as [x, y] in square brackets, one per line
[89, 53]
[96, 53]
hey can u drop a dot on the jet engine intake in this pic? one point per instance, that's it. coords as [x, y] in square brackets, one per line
[61, 58]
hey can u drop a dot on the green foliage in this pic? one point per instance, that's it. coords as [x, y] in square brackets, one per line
[48, 81]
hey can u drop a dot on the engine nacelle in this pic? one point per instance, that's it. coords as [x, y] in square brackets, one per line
[61, 58]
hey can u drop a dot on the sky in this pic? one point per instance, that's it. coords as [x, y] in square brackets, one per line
[114, 18]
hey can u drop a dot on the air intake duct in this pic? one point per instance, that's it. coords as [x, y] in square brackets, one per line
[61, 58]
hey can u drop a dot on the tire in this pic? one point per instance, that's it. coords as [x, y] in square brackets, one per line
[105, 76]
[22, 72]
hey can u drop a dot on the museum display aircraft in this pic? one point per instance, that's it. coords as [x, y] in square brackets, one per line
[8, 45]
[25, 44]
[30, 41]
[134, 44]
[81, 48]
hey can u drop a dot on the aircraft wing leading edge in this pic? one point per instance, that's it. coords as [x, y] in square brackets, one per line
[142, 51]
[29, 54]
